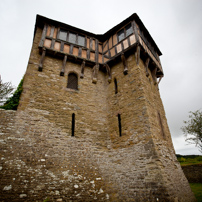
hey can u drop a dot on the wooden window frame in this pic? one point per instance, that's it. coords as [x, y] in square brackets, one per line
[67, 38]
[124, 29]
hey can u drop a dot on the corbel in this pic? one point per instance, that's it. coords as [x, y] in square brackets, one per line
[108, 72]
[40, 68]
[82, 69]
[160, 79]
[146, 66]
[95, 73]
[125, 71]
[62, 72]
[137, 54]
[154, 75]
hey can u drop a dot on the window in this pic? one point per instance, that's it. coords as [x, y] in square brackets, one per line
[121, 35]
[72, 38]
[63, 35]
[129, 30]
[73, 124]
[81, 41]
[72, 81]
[119, 123]
[125, 32]
[115, 86]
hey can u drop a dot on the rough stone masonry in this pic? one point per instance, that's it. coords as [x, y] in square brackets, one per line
[101, 137]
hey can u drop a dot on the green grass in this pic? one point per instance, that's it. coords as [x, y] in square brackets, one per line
[197, 189]
[189, 159]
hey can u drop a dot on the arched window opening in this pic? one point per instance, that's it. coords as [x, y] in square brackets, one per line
[72, 81]
[119, 122]
[115, 86]
[73, 124]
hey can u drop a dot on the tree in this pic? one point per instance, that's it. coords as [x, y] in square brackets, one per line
[13, 101]
[6, 90]
[193, 129]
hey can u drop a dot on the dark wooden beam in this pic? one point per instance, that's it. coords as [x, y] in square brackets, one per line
[71, 49]
[43, 36]
[108, 72]
[62, 46]
[95, 73]
[62, 72]
[125, 65]
[88, 54]
[52, 31]
[40, 68]
[96, 51]
[82, 69]
[91, 44]
[146, 66]
[137, 54]
[135, 31]
[52, 43]
[58, 33]
[80, 51]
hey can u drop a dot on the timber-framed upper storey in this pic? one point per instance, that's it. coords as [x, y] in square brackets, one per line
[129, 36]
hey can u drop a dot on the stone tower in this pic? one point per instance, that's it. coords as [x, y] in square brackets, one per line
[91, 125]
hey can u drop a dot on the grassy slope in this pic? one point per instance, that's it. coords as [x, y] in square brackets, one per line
[191, 160]
[197, 189]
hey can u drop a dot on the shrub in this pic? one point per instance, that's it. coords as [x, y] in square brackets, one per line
[13, 102]
[182, 159]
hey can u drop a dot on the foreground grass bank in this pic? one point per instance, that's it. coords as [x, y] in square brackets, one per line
[187, 160]
[197, 189]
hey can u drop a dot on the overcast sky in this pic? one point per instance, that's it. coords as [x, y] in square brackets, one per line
[175, 25]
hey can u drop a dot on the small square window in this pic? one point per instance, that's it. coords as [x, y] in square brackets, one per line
[63, 35]
[72, 38]
[81, 41]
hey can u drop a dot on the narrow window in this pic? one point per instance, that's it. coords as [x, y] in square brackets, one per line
[119, 120]
[73, 124]
[63, 35]
[72, 81]
[115, 86]
[129, 30]
[121, 35]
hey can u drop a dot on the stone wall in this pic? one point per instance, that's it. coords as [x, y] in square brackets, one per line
[193, 173]
[41, 159]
